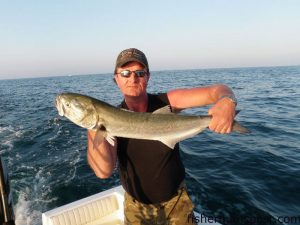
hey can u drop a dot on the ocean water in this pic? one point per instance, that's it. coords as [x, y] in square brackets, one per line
[238, 179]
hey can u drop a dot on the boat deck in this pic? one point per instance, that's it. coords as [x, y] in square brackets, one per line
[105, 208]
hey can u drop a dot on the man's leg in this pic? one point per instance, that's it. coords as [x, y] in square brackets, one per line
[179, 209]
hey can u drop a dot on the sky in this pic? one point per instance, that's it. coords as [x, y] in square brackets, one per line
[77, 37]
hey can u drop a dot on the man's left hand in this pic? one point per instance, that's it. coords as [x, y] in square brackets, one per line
[223, 113]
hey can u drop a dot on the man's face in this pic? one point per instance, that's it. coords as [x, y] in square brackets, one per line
[132, 86]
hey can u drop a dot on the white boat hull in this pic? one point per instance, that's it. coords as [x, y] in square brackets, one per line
[104, 208]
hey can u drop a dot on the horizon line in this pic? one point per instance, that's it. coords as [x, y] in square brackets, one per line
[105, 73]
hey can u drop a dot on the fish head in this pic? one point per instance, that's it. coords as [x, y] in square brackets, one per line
[77, 108]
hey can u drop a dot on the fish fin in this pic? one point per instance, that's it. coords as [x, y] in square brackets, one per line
[99, 137]
[101, 134]
[111, 140]
[170, 143]
[239, 128]
[126, 110]
[164, 110]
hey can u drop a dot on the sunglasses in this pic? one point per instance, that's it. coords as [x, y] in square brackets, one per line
[138, 73]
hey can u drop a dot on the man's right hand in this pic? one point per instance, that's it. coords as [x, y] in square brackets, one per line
[101, 155]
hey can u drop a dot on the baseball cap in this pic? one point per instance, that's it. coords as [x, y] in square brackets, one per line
[129, 55]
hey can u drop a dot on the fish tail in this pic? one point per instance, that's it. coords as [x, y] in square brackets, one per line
[239, 128]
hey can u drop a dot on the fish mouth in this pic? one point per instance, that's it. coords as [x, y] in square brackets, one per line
[60, 107]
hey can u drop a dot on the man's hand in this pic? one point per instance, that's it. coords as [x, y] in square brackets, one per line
[223, 113]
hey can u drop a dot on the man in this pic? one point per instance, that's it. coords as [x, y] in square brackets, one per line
[151, 173]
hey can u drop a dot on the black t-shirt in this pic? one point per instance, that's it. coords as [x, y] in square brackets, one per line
[150, 171]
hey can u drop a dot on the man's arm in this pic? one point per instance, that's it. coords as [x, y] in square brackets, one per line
[223, 110]
[102, 158]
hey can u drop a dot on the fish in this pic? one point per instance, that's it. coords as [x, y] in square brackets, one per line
[110, 121]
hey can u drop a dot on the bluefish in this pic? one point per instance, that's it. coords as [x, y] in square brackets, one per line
[109, 121]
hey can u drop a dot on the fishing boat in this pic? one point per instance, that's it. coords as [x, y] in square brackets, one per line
[6, 205]
[104, 208]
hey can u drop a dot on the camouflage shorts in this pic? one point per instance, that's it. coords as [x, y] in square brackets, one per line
[176, 211]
